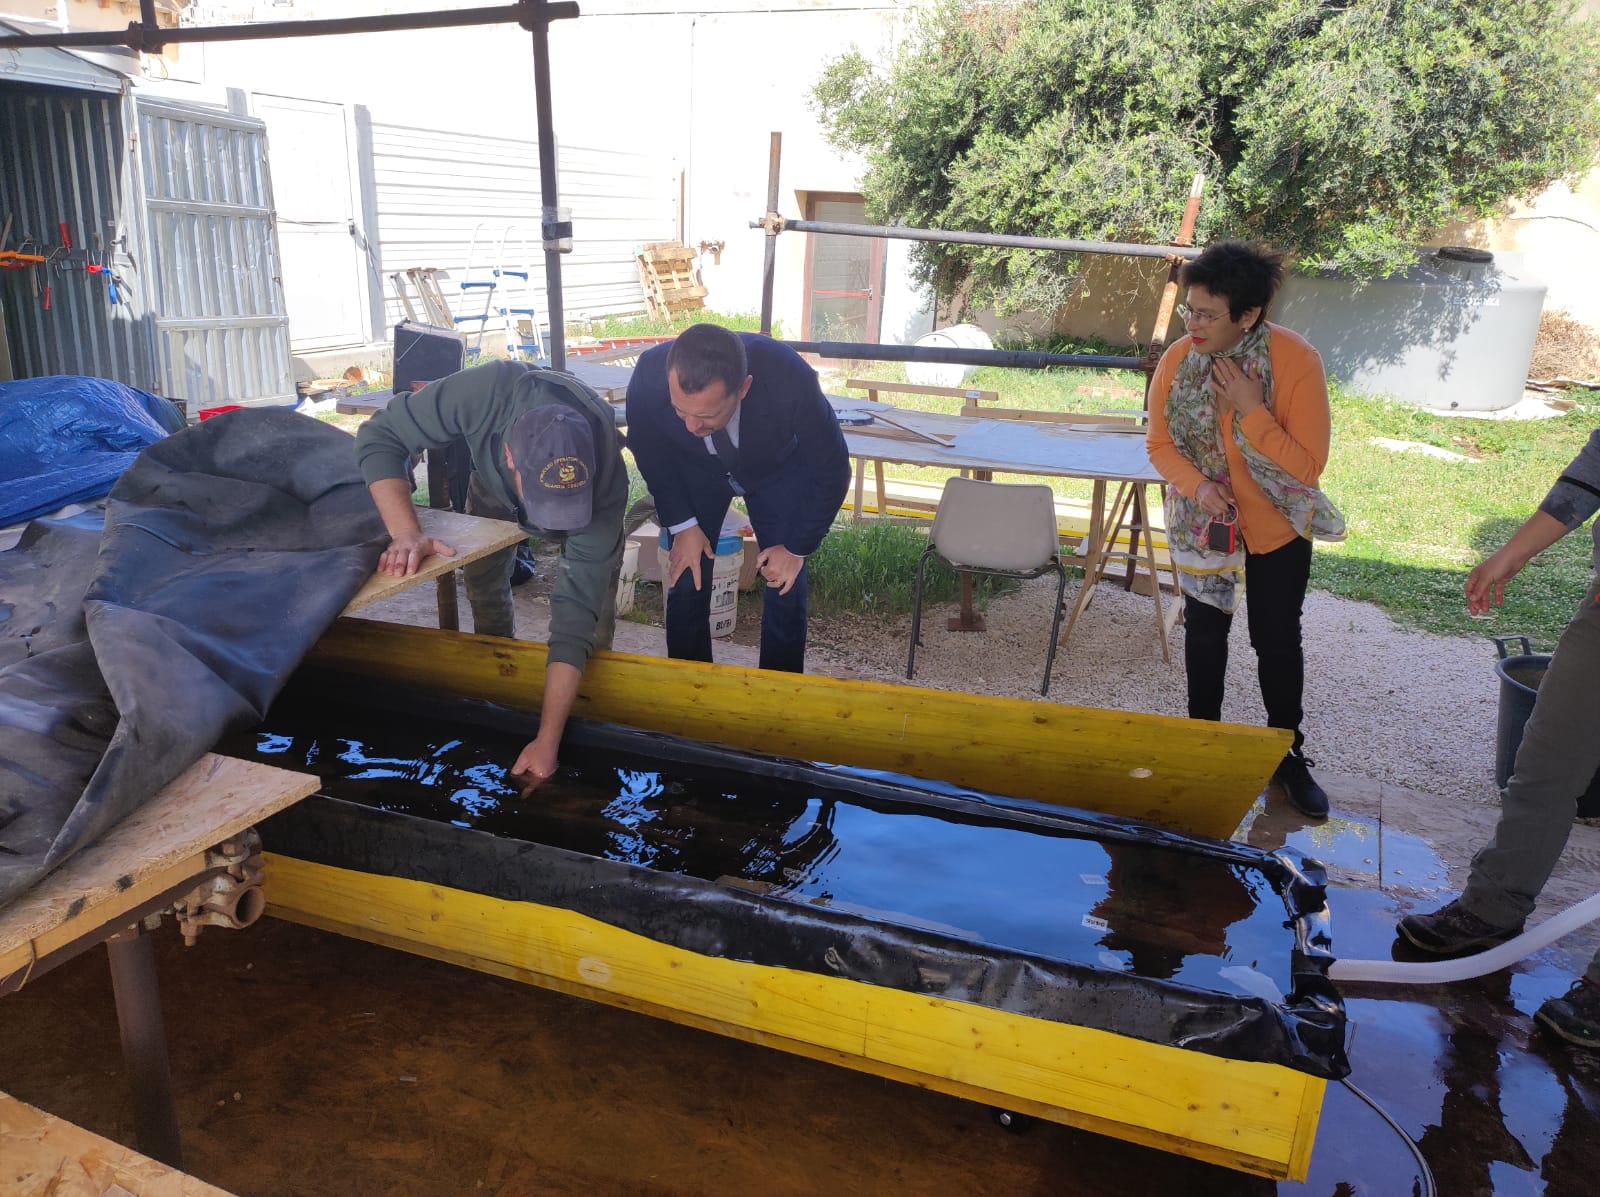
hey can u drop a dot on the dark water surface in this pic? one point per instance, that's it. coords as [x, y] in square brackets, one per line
[1136, 908]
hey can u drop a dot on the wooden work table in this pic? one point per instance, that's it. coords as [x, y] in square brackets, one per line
[103, 894]
[984, 447]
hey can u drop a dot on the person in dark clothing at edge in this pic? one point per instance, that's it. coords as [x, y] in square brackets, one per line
[717, 413]
[1557, 759]
[545, 454]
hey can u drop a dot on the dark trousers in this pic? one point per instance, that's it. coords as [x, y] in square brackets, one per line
[1275, 592]
[783, 622]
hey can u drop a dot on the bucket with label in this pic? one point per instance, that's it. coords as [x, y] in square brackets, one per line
[724, 580]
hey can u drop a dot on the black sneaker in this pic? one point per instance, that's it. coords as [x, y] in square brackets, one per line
[1576, 1016]
[1294, 775]
[1453, 930]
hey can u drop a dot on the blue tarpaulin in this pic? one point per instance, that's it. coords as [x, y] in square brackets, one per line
[66, 439]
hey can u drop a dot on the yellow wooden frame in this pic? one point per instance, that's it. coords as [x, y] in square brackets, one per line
[1259, 1118]
[1197, 777]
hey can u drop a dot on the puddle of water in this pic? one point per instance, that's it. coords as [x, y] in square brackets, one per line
[1348, 845]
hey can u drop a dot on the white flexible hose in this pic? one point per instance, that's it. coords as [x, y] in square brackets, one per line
[1438, 972]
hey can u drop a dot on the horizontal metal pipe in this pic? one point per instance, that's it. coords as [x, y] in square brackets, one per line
[1022, 359]
[1003, 240]
[139, 38]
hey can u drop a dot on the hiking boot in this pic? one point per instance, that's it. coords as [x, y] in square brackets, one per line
[1576, 1016]
[1453, 930]
[1294, 775]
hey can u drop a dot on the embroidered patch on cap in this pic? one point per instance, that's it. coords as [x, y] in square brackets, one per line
[564, 473]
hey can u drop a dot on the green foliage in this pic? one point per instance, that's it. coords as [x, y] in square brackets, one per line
[1345, 131]
[872, 567]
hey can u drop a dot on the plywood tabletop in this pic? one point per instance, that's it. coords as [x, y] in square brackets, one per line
[214, 799]
[471, 536]
[46, 1156]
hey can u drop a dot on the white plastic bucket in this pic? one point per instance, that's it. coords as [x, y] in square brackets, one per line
[724, 581]
[628, 577]
[941, 374]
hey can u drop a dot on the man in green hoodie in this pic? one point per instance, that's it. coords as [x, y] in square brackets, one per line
[545, 454]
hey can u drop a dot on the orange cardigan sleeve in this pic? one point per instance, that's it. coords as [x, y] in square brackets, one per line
[1297, 431]
[1171, 464]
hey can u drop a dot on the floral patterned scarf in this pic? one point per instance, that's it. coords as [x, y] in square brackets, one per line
[1209, 575]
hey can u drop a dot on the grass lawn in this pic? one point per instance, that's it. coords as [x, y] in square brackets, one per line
[1418, 524]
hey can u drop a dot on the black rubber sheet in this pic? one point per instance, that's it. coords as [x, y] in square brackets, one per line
[1303, 1029]
[227, 549]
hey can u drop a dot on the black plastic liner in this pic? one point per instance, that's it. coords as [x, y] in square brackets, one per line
[731, 919]
[227, 550]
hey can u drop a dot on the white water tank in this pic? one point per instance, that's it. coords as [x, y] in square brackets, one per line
[944, 374]
[1455, 331]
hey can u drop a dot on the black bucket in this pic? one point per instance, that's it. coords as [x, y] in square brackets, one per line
[1519, 686]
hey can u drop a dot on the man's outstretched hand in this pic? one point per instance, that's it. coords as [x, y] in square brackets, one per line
[534, 766]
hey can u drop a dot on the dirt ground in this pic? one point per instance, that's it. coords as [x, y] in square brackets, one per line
[306, 1063]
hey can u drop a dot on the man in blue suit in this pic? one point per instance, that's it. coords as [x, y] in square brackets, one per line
[716, 413]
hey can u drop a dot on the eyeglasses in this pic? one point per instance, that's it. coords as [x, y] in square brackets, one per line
[1188, 314]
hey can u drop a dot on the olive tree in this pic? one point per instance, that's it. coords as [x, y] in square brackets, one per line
[1345, 131]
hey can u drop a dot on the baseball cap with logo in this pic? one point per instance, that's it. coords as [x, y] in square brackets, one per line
[553, 449]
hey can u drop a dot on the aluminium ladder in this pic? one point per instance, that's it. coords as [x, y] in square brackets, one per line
[507, 295]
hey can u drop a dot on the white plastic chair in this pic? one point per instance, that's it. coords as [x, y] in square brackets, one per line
[995, 528]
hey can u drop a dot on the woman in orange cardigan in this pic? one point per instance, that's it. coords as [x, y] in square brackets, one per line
[1239, 427]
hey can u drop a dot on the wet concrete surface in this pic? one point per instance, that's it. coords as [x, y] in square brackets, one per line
[306, 1063]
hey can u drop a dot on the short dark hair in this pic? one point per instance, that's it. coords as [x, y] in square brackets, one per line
[707, 353]
[1247, 276]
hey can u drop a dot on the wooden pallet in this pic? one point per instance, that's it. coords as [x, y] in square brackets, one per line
[666, 272]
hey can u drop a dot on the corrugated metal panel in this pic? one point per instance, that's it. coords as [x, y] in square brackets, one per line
[62, 156]
[434, 187]
[221, 329]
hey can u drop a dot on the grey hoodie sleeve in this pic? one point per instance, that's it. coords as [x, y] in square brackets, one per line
[1576, 494]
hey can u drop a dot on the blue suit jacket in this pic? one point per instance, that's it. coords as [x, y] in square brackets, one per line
[793, 465]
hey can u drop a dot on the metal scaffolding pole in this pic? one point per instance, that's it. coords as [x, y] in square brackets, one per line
[1003, 240]
[147, 37]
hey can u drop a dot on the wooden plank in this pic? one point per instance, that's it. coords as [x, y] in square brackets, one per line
[1091, 421]
[911, 388]
[471, 536]
[1198, 776]
[1259, 1118]
[215, 798]
[46, 1156]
